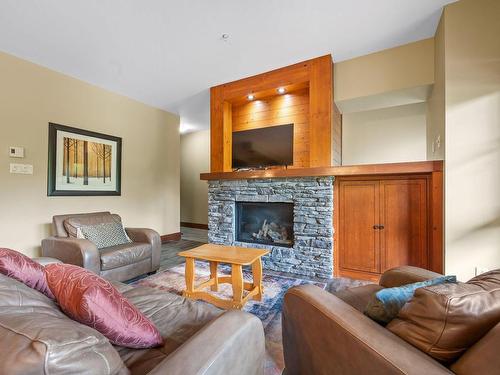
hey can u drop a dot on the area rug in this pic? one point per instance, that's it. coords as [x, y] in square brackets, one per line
[268, 310]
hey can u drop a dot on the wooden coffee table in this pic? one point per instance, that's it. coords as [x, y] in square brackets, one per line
[237, 257]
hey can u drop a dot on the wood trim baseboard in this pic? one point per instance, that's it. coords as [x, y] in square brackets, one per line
[194, 225]
[171, 237]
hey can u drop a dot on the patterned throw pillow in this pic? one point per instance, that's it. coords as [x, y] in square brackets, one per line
[105, 234]
[95, 302]
[386, 303]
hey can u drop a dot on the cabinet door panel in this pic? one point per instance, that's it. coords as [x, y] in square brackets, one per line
[358, 213]
[403, 214]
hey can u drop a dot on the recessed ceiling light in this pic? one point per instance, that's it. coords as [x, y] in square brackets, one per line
[281, 90]
[250, 97]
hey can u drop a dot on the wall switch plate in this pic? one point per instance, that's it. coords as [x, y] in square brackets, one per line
[16, 152]
[21, 168]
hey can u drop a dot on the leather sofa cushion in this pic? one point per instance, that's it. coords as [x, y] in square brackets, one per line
[403, 275]
[37, 338]
[72, 223]
[125, 254]
[177, 319]
[386, 303]
[121, 287]
[358, 297]
[93, 301]
[13, 295]
[23, 269]
[445, 320]
[482, 357]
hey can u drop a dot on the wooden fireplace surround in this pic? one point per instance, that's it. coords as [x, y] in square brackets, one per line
[308, 103]
[317, 145]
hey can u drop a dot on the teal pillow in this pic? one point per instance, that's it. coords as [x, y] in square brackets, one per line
[386, 303]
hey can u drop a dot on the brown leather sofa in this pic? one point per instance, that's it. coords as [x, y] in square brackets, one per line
[118, 263]
[325, 333]
[37, 338]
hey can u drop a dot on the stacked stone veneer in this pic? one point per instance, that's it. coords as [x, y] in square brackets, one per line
[312, 252]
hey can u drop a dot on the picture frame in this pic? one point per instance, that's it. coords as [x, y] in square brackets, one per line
[83, 162]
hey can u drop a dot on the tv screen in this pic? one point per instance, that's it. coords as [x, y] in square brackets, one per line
[271, 146]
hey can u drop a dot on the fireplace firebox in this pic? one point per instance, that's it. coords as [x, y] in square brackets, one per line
[269, 223]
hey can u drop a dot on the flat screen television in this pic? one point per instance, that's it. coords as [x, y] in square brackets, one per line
[265, 147]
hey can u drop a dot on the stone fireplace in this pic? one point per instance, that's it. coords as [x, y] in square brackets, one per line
[291, 217]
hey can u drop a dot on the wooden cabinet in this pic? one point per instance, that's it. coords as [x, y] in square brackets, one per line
[382, 223]
[359, 211]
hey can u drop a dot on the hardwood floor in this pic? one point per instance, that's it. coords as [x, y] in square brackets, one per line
[194, 234]
[191, 238]
[169, 250]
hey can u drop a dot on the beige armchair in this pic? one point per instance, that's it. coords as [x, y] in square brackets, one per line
[118, 263]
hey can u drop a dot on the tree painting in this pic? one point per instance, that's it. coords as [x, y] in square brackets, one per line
[70, 145]
[86, 162]
[103, 156]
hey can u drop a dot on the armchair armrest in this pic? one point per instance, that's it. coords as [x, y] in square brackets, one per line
[230, 344]
[324, 335]
[405, 275]
[79, 252]
[148, 236]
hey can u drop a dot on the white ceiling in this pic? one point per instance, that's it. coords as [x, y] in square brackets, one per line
[168, 53]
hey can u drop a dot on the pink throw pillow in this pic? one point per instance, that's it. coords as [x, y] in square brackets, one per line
[93, 301]
[18, 266]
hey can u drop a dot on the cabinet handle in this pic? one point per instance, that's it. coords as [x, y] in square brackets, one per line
[376, 226]
[381, 227]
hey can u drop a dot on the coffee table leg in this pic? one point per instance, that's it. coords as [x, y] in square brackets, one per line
[237, 281]
[189, 274]
[257, 278]
[213, 275]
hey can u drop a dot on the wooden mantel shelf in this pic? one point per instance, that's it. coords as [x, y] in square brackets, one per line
[346, 170]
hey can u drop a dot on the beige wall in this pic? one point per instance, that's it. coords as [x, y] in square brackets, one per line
[385, 135]
[30, 97]
[436, 104]
[195, 159]
[407, 66]
[382, 97]
[472, 50]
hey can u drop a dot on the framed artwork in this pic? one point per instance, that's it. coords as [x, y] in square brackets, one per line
[82, 162]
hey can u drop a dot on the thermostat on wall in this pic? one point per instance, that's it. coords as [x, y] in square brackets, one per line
[16, 152]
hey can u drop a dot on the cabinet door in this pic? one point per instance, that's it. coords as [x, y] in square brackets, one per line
[358, 214]
[403, 214]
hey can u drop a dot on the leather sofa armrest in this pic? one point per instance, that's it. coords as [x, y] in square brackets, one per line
[324, 335]
[405, 275]
[148, 236]
[231, 344]
[80, 252]
[482, 357]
